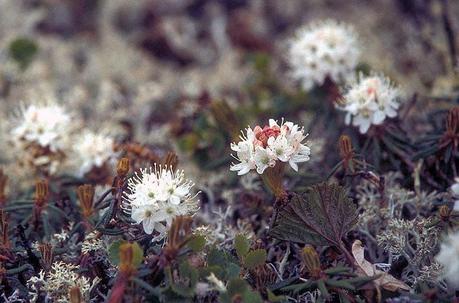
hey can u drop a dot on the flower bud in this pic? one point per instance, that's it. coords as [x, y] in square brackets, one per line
[311, 261]
[47, 256]
[444, 212]
[452, 121]
[171, 161]
[3, 181]
[75, 295]
[86, 196]
[345, 147]
[127, 253]
[41, 192]
[122, 168]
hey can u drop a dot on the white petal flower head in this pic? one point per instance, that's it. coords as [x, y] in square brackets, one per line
[47, 125]
[323, 49]
[92, 151]
[155, 196]
[449, 258]
[369, 101]
[262, 148]
[455, 192]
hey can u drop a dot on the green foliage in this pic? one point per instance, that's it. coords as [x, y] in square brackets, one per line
[222, 264]
[188, 278]
[197, 243]
[238, 289]
[255, 258]
[23, 50]
[249, 259]
[322, 216]
[242, 245]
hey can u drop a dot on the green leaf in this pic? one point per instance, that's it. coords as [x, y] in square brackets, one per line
[340, 283]
[188, 279]
[23, 50]
[321, 216]
[114, 252]
[242, 245]
[197, 243]
[250, 296]
[273, 298]
[216, 257]
[236, 286]
[255, 258]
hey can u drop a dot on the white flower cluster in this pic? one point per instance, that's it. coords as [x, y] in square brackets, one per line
[455, 191]
[261, 148]
[449, 258]
[156, 196]
[45, 135]
[57, 283]
[92, 150]
[47, 125]
[323, 49]
[369, 101]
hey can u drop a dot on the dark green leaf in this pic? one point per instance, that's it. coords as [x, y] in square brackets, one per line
[322, 216]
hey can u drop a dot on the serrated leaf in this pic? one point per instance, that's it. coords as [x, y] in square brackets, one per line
[255, 258]
[197, 243]
[321, 216]
[242, 245]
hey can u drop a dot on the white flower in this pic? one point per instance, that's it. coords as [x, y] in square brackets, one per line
[92, 150]
[156, 196]
[46, 125]
[449, 258]
[369, 101]
[455, 191]
[262, 148]
[323, 49]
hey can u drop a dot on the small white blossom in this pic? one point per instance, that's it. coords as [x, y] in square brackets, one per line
[323, 49]
[449, 258]
[261, 148]
[46, 125]
[156, 196]
[455, 191]
[369, 101]
[92, 151]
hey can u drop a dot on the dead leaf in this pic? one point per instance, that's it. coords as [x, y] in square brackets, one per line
[386, 280]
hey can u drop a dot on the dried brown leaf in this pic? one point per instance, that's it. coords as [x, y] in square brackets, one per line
[386, 280]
